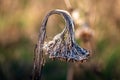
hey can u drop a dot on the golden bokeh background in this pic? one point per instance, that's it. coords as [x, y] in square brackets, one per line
[20, 21]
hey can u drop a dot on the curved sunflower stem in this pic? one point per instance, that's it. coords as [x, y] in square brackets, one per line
[62, 47]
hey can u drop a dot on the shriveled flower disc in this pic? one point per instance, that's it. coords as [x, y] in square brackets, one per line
[62, 48]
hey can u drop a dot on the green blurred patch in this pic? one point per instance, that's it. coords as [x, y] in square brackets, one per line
[102, 45]
[55, 70]
[112, 63]
[17, 60]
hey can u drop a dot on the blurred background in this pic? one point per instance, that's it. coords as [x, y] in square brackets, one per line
[20, 21]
